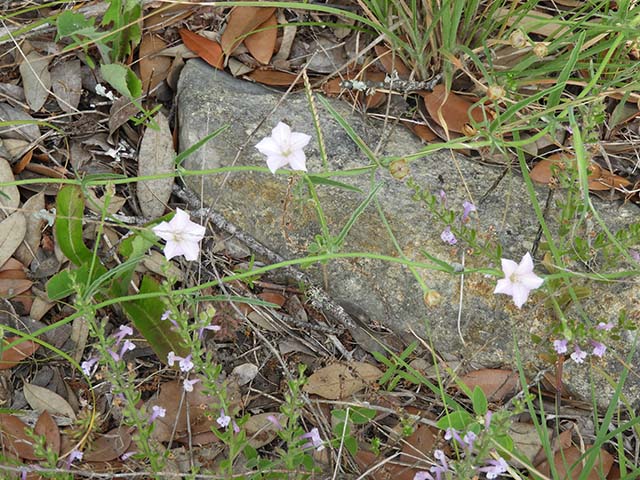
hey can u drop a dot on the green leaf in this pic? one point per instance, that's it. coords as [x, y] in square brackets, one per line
[69, 208]
[479, 401]
[317, 180]
[122, 79]
[71, 23]
[356, 213]
[362, 415]
[145, 314]
[457, 420]
[59, 286]
[351, 445]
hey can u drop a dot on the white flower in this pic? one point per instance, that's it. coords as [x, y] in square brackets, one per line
[284, 147]
[519, 279]
[182, 235]
[187, 384]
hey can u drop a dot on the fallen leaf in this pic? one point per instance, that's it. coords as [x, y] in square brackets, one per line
[36, 79]
[48, 428]
[421, 442]
[532, 22]
[120, 112]
[242, 20]
[566, 458]
[341, 380]
[526, 439]
[273, 297]
[9, 195]
[22, 125]
[20, 165]
[496, 384]
[274, 78]
[39, 308]
[261, 431]
[244, 373]
[29, 247]
[97, 204]
[450, 110]
[422, 131]
[262, 44]
[41, 399]
[66, 82]
[12, 232]
[13, 282]
[391, 63]
[153, 67]
[108, 446]
[14, 439]
[208, 50]
[156, 155]
[12, 356]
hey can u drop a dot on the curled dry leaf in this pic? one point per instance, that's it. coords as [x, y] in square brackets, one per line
[262, 43]
[156, 156]
[12, 356]
[377, 470]
[109, 446]
[243, 20]
[496, 384]
[9, 195]
[341, 380]
[451, 111]
[12, 232]
[208, 50]
[13, 282]
[526, 439]
[244, 373]
[66, 82]
[36, 79]
[391, 62]
[42, 399]
[29, 247]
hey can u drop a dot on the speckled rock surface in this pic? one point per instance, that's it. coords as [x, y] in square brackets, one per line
[271, 210]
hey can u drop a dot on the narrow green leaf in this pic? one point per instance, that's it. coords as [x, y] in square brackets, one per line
[145, 314]
[316, 180]
[357, 212]
[69, 208]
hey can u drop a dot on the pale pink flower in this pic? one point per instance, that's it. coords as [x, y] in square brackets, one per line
[598, 348]
[315, 440]
[182, 236]
[560, 346]
[187, 384]
[284, 147]
[519, 279]
[578, 355]
[605, 326]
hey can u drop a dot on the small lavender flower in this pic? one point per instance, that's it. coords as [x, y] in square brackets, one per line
[123, 331]
[171, 358]
[560, 346]
[276, 423]
[578, 355]
[315, 440]
[598, 348]
[127, 346]
[443, 198]
[468, 439]
[73, 456]
[448, 237]
[213, 328]
[605, 326]
[165, 315]
[157, 412]
[186, 364]
[423, 476]
[88, 366]
[187, 384]
[439, 470]
[487, 419]
[467, 207]
[495, 468]
[223, 420]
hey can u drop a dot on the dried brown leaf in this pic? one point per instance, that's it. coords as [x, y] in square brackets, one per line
[156, 155]
[262, 44]
[36, 79]
[21, 125]
[41, 399]
[243, 20]
[48, 428]
[153, 67]
[12, 356]
[109, 446]
[566, 458]
[12, 232]
[29, 247]
[391, 63]
[14, 439]
[208, 50]
[368, 462]
[261, 431]
[496, 384]
[66, 82]
[450, 110]
[274, 78]
[341, 380]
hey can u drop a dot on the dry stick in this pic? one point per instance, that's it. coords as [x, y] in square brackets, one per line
[319, 298]
[391, 84]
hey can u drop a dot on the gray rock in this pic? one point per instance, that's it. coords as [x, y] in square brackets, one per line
[272, 211]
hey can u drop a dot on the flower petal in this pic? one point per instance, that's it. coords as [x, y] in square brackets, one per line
[520, 294]
[531, 281]
[267, 146]
[274, 162]
[298, 160]
[526, 265]
[281, 134]
[508, 267]
[504, 286]
[299, 140]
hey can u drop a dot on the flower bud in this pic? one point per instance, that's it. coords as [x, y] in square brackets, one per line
[399, 169]
[540, 49]
[432, 298]
[518, 39]
[495, 92]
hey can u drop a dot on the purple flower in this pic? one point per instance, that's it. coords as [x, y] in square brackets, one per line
[468, 440]
[186, 364]
[635, 254]
[88, 366]
[315, 441]
[73, 456]
[422, 476]
[438, 470]
[276, 423]
[236, 428]
[468, 207]
[560, 346]
[223, 420]
[165, 315]
[187, 384]
[127, 346]
[578, 355]
[124, 331]
[448, 237]
[605, 326]
[495, 468]
[443, 198]
[157, 411]
[213, 328]
[487, 419]
[125, 456]
[598, 348]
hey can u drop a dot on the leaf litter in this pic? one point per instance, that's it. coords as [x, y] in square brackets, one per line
[248, 44]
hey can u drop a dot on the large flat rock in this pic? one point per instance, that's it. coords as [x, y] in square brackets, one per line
[482, 329]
